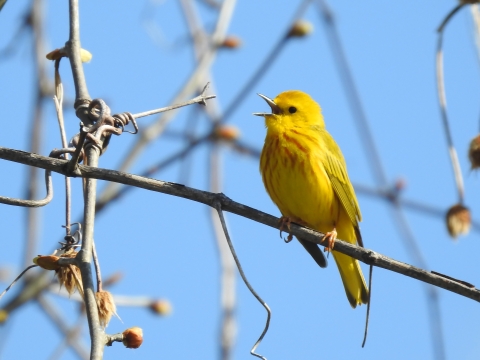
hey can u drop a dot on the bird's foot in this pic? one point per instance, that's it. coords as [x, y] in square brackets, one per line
[330, 238]
[284, 220]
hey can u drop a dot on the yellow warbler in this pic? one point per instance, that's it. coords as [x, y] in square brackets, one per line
[305, 174]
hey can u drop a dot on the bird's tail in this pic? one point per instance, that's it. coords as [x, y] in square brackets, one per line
[352, 277]
[315, 252]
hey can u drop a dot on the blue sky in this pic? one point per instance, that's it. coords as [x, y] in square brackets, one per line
[164, 246]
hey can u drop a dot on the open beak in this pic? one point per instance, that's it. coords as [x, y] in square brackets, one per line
[273, 106]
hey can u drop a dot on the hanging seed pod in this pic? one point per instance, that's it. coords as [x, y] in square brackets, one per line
[161, 307]
[70, 276]
[300, 28]
[458, 220]
[106, 307]
[474, 152]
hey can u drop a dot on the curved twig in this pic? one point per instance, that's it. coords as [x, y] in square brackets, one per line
[218, 206]
[33, 203]
[16, 279]
[457, 172]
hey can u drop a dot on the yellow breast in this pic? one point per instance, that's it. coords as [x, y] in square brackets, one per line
[293, 174]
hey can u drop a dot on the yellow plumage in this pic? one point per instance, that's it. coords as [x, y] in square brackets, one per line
[305, 174]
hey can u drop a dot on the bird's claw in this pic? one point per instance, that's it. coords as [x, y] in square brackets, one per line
[284, 220]
[330, 238]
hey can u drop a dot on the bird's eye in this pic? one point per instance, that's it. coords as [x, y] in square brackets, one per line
[292, 109]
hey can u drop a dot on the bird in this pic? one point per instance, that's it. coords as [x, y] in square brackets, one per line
[305, 175]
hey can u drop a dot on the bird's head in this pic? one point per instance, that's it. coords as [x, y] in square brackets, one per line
[292, 109]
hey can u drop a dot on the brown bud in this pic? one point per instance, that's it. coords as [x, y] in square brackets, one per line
[106, 307]
[458, 220]
[112, 279]
[161, 307]
[231, 42]
[228, 133]
[49, 262]
[300, 28]
[469, 1]
[400, 184]
[474, 152]
[133, 337]
[55, 54]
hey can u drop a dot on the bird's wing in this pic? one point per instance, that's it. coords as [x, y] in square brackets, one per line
[336, 168]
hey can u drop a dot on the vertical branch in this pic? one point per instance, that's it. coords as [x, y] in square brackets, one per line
[84, 256]
[43, 90]
[73, 47]
[85, 259]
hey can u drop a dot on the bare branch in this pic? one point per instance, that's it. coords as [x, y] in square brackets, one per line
[442, 99]
[73, 46]
[97, 335]
[365, 255]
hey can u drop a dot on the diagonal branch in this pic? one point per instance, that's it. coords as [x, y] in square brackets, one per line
[365, 255]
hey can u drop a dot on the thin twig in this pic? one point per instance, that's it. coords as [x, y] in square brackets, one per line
[78, 148]
[32, 203]
[218, 207]
[227, 274]
[367, 316]
[97, 268]
[457, 172]
[110, 339]
[201, 99]
[475, 12]
[58, 100]
[16, 279]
